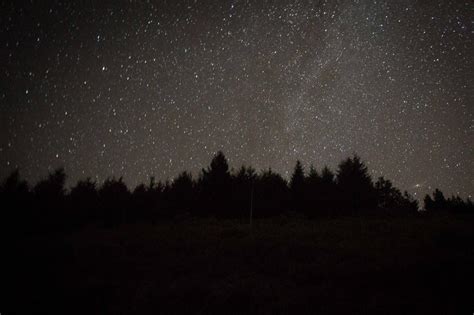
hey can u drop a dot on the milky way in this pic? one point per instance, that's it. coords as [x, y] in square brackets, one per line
[152, 88]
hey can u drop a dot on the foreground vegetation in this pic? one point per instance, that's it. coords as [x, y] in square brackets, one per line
[280, 265]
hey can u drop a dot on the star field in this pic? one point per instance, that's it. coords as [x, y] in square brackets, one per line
[142, 88]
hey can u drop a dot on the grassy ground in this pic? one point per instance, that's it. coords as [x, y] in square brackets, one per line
[279, 266]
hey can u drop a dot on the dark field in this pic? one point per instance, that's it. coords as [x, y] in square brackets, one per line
[420, 265]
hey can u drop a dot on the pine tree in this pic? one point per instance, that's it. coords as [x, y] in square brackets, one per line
[355, 186]
[297, 188]
[214, 186]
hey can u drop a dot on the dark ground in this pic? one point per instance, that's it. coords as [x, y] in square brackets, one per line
[281, 266]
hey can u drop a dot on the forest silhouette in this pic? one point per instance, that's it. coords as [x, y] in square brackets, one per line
[234, 242]
[217, 192]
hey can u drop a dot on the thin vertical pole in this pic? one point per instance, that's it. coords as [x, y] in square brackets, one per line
[251, 202]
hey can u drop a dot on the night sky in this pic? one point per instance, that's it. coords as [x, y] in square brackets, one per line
[142, 88]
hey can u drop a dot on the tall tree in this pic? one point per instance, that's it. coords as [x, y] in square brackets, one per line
[297, 188]
[50, 197]
[214, 186]
[390, 198]
[53, 186]
[355, 186]
[243, 191]
[437, 203]
[312, 192]
[182, 193]
[115, 201]
[328, 193]
[84, 200]
[16, 215]
[272, 195]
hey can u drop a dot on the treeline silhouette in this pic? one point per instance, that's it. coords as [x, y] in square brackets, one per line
[217, 192]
